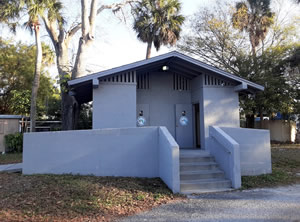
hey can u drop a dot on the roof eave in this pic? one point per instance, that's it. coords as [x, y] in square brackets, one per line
[158, 58]
[121, 68]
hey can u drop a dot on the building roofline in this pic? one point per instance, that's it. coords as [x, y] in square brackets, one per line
[158, 58]
[11, 117]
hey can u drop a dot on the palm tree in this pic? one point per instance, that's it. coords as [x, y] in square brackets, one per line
[36, 9]
[11, 10]
[254, 17]
[158, 22]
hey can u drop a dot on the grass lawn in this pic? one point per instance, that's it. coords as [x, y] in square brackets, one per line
[89, 198]
[77, 198]
[285, 167]
[10, 158]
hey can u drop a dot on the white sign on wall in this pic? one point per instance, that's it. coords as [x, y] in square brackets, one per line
[183, 121]
[141, 121]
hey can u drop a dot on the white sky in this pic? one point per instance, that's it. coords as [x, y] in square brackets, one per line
[116, 43]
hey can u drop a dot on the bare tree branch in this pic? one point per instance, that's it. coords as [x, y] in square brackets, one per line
[92, 18]
[115, 6]
[51, 29]
[72, 32]
[61, 35]
[84, 17]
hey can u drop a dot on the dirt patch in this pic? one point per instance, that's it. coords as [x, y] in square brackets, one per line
[78, 198]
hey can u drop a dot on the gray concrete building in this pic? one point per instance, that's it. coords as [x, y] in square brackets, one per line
[196, 109]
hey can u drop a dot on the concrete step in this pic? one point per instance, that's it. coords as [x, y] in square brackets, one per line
[200, 191]
[193, 152]
[194, 159]
[201, 174]
[204, 184]
[198, 166]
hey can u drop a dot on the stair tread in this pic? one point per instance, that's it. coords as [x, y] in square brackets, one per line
[198, 163]
[194, 156]
[193, 152]
[204, 190]
[200, 181]
[190, 172]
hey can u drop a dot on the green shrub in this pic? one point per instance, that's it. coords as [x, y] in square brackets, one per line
[14, 143]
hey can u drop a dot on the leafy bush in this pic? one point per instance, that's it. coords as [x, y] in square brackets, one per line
[14, 143]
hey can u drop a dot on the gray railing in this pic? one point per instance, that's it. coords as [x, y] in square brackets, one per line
[168, 159]
[227, 154]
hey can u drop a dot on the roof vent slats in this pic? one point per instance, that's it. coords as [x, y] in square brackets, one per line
[216, 82]
[143, 81]
[181, 83]
[127, 77]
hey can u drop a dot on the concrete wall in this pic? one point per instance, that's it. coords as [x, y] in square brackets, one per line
[118, 105]
[197, 89]
[134, 152]
[7, 126]
[161, 98]
[114, 105]
[220, 108]
[280, 130]
[255, 149]
[107, 152]
[227, 154]
[168, 160]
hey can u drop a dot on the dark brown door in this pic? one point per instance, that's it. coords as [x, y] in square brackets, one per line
[197, 124]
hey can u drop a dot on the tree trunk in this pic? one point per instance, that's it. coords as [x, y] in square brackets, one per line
[253, 49]
[67, 102]
[69, 106]
[261, 118]
[36, 80]
[148, 53]
[80, 61]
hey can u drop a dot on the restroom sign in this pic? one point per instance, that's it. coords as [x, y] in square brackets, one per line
[183, 121]
[141, 121]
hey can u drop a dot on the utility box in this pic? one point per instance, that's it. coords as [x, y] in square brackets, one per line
[8, 124]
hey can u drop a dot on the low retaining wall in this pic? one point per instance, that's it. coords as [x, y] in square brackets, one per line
[168, 159]
[255, 149]
[227, 154]
[133, 152]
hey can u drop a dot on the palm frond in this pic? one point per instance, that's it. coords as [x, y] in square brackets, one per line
[158, 21]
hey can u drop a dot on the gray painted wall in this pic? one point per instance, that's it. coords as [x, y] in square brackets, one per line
[114, 105]
[118, 105]
[218, 105]
[107, 152]
[168, 159]
[220, 108]
[227, 154]
[162, 98]
[255, 150]
[134, 152]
